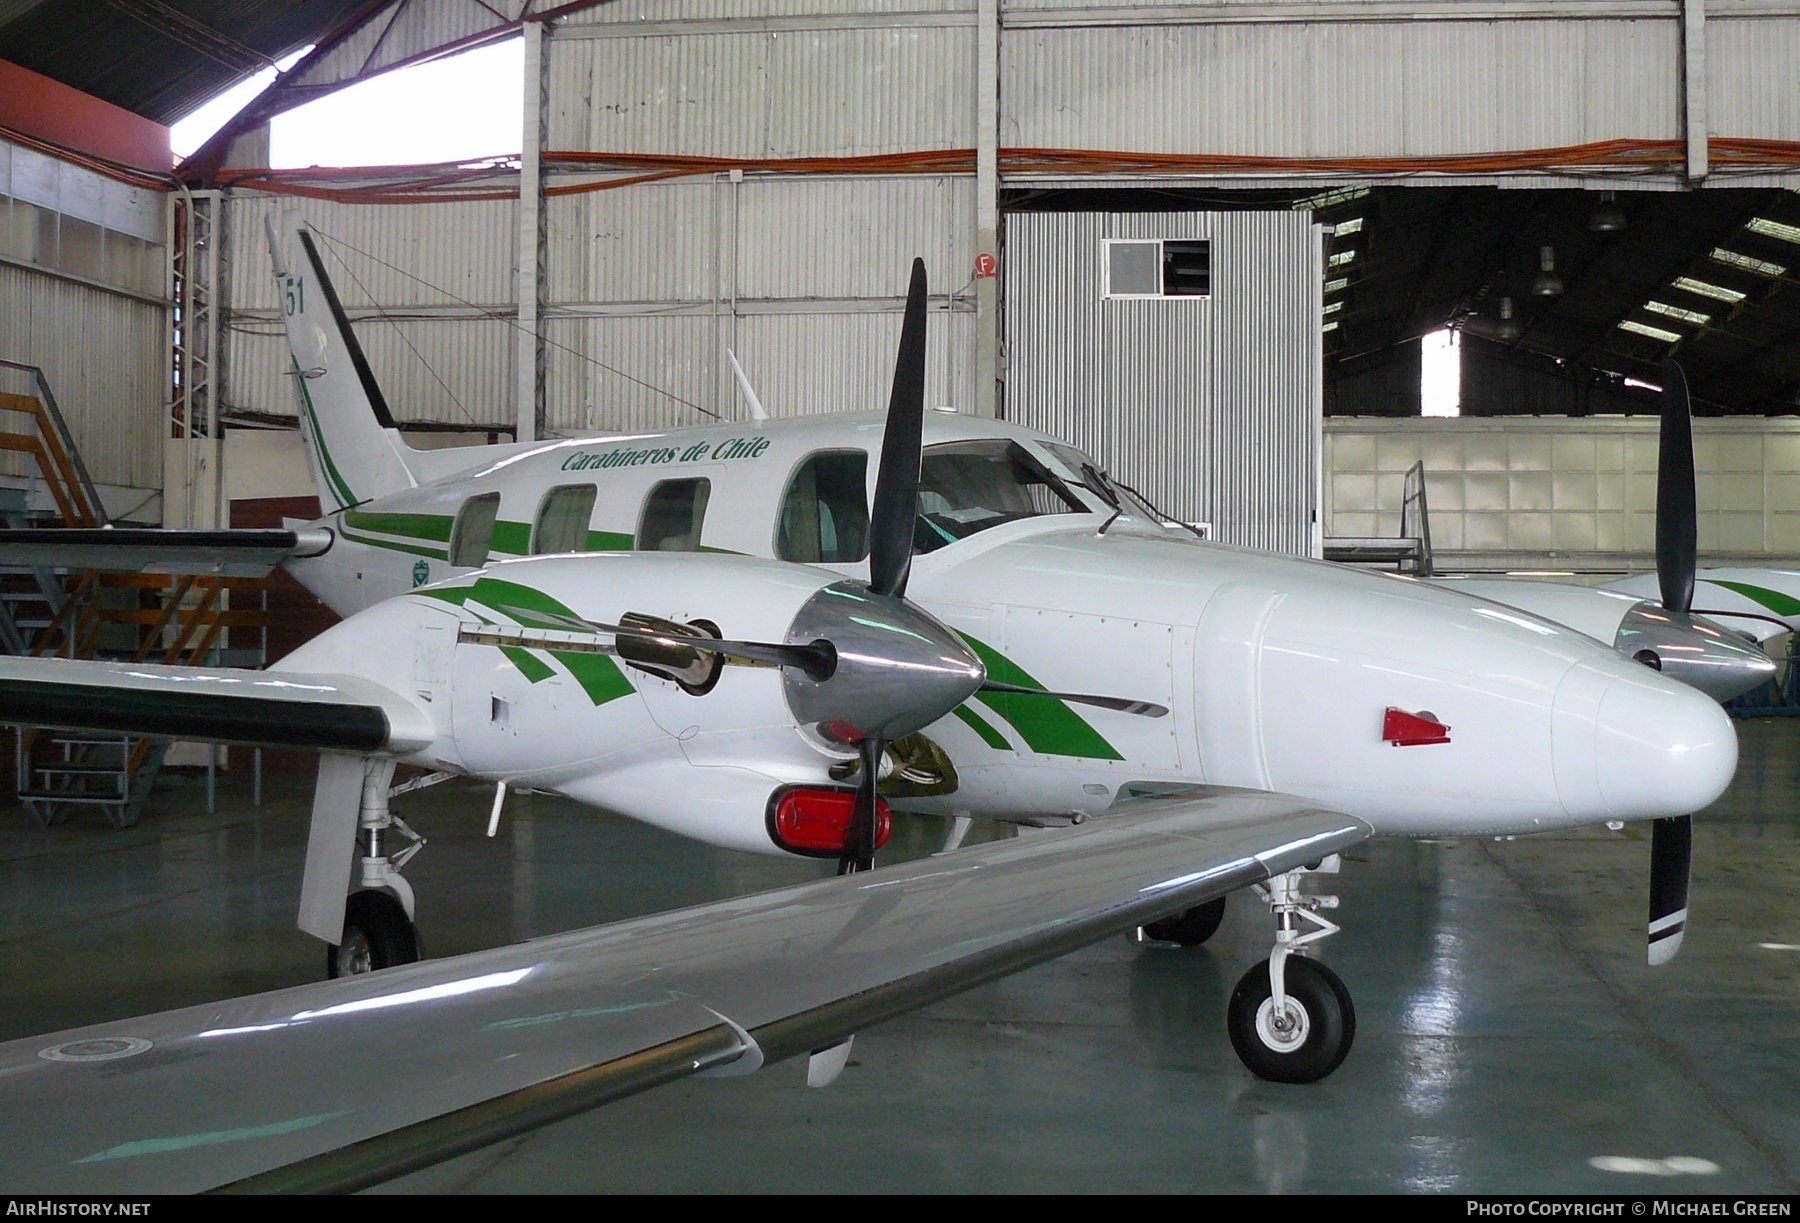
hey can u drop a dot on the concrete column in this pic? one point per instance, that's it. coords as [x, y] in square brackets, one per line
[1693, 86]
[530, 404]
[987, 207]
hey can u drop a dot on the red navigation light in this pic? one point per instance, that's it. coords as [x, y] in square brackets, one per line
[816, 823]
[1404, 729]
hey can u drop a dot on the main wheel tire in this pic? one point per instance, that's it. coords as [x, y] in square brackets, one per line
[1321, 1023]
[1191, 927]
[377, 934]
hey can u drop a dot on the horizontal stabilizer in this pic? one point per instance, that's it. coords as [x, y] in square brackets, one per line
[347, 1083]
[342, 713]
[226, 553]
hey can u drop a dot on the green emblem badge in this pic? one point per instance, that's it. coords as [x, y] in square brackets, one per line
[421, 573]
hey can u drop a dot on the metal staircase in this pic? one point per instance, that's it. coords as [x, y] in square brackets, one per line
[86, 614]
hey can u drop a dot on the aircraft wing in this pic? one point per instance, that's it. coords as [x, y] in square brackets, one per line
[348, 1083]
[227, 553]
[343, 713]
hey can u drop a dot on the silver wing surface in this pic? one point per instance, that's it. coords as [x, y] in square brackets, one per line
[347, 1083]
[343, 713]
[226, 553]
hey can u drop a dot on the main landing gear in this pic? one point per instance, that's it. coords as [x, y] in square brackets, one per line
[1290, 1018]
[378, 919]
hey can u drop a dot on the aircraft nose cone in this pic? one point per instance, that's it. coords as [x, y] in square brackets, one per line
[1636, 746]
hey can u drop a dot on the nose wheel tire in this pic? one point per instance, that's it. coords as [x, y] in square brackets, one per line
[1191, 927]
[377, 935]
[1308, 1039]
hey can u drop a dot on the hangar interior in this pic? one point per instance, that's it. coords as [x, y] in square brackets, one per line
[1575, 193]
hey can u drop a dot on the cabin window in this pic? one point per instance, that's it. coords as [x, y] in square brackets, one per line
[966, 487]
[673, 514]
[825, 515]
[473, 533]
[562, 521]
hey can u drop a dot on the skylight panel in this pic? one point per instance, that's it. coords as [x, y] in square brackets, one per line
[1333, 307]
[1705, 289]
[1338, 285]
[1686, 316]
[1327, 199]
[1341, 259]
[1655, 333]
[1774, 229]
[1761, 267]
[1344, 229]
[1331, 326]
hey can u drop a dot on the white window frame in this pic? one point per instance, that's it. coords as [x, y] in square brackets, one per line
[1106, 291]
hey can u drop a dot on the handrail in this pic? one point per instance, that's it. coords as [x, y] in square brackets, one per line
[70, 455]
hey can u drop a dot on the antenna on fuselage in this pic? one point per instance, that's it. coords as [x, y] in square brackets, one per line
[757, 412]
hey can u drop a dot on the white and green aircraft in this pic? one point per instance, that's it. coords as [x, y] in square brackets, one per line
[712, 631]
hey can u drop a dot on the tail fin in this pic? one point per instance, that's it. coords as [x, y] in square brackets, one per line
[352, 444]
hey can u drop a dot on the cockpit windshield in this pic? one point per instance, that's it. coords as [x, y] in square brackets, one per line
[966, 487]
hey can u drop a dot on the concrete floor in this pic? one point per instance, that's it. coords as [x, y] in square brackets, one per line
[1510, 1037]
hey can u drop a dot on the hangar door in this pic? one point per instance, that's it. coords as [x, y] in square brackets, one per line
[1182, 350]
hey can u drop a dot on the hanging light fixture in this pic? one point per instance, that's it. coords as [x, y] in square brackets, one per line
[1607, 217]
[1507, 329]
[1548, 283]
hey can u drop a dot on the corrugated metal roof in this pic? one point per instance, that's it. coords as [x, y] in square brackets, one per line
[134, 54]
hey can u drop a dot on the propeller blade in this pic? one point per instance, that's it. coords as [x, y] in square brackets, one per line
[1671, 853]
[1146, 709]
[859, 846]
[1677, 535]
[896, 507]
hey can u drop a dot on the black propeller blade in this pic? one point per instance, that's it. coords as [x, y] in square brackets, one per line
[896, 508]
[859, 846]
[1671, 855]
[1146, 709]
[891, 523]
[1677, 555]
[1677, 532]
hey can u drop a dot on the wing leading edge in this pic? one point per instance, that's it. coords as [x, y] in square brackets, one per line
[345, 1084]
[342, 713]
[235, 552]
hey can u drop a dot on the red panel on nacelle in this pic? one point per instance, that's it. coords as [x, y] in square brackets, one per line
[1404, 729]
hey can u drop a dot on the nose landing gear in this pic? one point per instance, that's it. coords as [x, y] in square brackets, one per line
[1290, 1018]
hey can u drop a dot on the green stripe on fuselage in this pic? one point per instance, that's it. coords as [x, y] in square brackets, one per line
[1046, 724]
[1774, 600]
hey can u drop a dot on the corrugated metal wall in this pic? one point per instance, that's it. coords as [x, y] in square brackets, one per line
[83, 278]
[1211, 406]
[1571, 492]
[106, 357]
[443, 276]
[1353, 89]
[802, 278]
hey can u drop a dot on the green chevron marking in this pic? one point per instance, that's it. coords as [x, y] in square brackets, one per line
[1045, 723]
[598, 675]
[982, 727]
